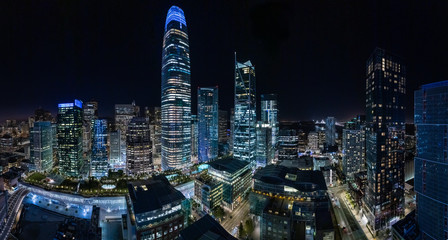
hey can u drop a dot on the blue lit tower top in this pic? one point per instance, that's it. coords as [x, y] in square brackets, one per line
[176, 92]
[175, 14]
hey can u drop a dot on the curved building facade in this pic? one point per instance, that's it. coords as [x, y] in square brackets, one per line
[176, 92]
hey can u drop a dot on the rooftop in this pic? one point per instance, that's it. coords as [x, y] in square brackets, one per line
[305, 181]
[407, 227]
[205, 228]
[435, 85]
[228, 165]
[153, 194]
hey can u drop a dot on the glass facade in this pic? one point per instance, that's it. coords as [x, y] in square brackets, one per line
[69, 128]
[41, 146]
[245, 118]
[431, 161]
[123, 115]
[265, 153]
[176, 92]
[269, 114]
[207, 124]
[139, 148]
[330, 131]
[99, 165]
[114, 153]
[385, 96]
[353, 151]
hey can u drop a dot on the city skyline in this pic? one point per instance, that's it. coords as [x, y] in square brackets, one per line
[77, 62]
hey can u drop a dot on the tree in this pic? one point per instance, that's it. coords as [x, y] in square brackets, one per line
[249, 226]
[218, 212]
[241, 232]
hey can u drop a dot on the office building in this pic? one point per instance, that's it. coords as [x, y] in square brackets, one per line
[207, 124]
[313, 142]
[232, 130]
[194, 138]
[431, 168]
[288, 141]
[41, 147]
[114, 150]
[223, 133]
[245, 118]
[139, 148]
[265, 151]
[269, 114]
[160, 211]
[385, 108]
[90, 114]
[99, 165]
[155, 126]
[353, 151]
[124, 113]
[207, 192]
[176, 92]
[69, 128]
[235, 175]
[291, 204]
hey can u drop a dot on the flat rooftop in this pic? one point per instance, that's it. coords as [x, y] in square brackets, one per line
[228, 165]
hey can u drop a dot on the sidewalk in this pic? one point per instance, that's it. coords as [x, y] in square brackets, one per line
[358, 218]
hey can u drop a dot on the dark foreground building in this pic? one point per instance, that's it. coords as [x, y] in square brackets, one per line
[158, 210]
[205, 228]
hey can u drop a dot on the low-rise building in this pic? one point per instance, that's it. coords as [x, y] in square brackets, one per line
[158, 210]
[207, 192]
[205, 228]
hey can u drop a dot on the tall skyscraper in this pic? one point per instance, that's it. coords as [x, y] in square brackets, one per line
[385, 96]
[41, 146]
[194, 138]
[99, 165]
[330, 131]
[155, 126]
[265, 152]
[431, 168]
[139, 149]
[176, 92]
[353, 151]
[223, 132]
[288, 141]
[124, 113]
[90, 113]
[70, 138]
[244, 138]
[114, 150]
[207, 124]
[269, 114]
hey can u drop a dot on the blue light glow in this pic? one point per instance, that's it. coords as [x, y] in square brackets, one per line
[175, 14]
[63, 105]
[78, 103]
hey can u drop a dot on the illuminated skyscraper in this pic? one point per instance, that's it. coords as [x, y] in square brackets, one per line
[207, 124]
[99, 165]
[90, 113]
[41, 146]
[431, 168]
[70, 138]
[269, 114]
[176, 92]
[139, 149]
[244, 138]
[264, 144]
[330, 131]
[385, 96]
[123, 115]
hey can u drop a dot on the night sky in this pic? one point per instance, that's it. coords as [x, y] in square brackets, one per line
[312, 53]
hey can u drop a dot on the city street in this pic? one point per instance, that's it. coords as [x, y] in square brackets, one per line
[344, 216]
[239, 214]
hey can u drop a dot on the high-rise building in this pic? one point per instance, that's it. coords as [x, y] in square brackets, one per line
[176, 92]
[288, 141]
[385, 96]
[41, 146]
[99, 165]
[353, 151]
[232, 129]
[313, 141]
[155, 126]
[207, 124]
[194, 138]
[269, 114]
[265, 153]
[223, 133]
[139, 149]
[124, 113]
[90, 114]
[70, 138]
[431, 168]
[245, 118]
[330, 131]
[114, 152]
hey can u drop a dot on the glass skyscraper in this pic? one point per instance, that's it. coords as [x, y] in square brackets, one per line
[207, 124]
[139, 148]
[431, 161]
[269, 114]
[41, 146]
[123, 115]
[265, 152]
[245, 118]
[176, 92]
[385, 96]
[99, 165]
[70, 138]
[330, 131]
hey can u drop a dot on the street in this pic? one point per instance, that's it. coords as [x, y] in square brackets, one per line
[14, 203]
[239, 214]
